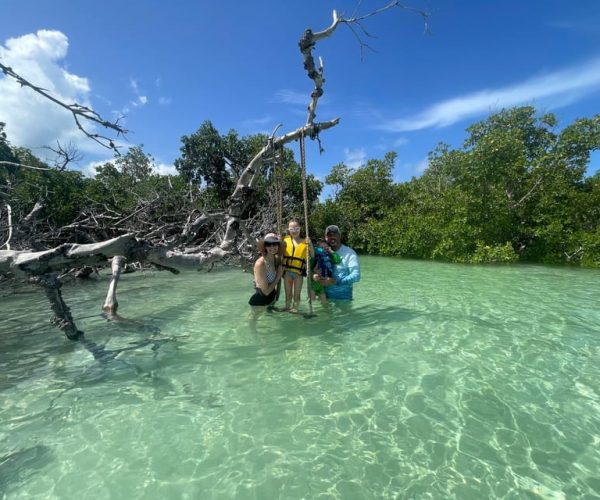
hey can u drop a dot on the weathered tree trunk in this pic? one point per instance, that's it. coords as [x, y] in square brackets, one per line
[62, 315]
[111, 304]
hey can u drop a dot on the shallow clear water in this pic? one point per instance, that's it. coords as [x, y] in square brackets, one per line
[438, 381]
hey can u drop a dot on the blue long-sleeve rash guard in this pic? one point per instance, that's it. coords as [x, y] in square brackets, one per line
[345, 273]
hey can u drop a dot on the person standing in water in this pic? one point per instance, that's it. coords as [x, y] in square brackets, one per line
[294, 264]
[346, 272]
[268, 270]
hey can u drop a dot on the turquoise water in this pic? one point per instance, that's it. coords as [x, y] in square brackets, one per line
[438, 381]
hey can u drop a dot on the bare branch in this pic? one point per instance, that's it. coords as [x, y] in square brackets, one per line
[77, 110]
[309, 39]
[535, 185]
[10, 227]
[65, 155]
[392, 5]
[247, 180]
[13, 164]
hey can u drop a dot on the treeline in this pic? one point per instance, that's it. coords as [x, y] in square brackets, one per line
[516, 191]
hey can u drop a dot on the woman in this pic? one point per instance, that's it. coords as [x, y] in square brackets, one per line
[267, 271]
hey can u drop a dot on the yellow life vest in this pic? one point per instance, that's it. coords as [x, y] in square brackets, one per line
[294, 258]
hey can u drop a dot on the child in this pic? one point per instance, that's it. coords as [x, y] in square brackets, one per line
[322, 267]
[294, 264]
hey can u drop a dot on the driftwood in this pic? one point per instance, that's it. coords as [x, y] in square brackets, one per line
[111, 304]
[44, 268]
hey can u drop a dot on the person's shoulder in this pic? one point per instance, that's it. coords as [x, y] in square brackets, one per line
[347, 250]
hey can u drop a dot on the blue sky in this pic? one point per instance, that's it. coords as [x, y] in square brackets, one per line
[168, 66]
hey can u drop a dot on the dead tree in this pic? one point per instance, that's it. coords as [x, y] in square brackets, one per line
[44, 268]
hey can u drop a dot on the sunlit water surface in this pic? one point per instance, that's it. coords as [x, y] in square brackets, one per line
[438, 381]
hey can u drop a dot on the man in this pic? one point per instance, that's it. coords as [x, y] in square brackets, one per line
[346, 272]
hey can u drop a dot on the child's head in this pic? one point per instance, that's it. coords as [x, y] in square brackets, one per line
[323, 244]
[294, 227]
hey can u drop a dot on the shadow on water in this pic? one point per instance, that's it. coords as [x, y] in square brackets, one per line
[331, 323]
[19, 466]
[368, 315]
[25, 349]
[105, 356]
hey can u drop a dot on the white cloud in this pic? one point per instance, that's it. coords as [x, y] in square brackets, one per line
[164, 101]
[552, 90]
[292, 97]
[401, 141]
[258, 123]
[365, 111]
[140, 99]
[89, 169]
[421, 166]
[32, 120]
[166, 169]
[355, 158]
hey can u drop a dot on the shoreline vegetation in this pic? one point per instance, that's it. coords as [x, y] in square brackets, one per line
[517, 191]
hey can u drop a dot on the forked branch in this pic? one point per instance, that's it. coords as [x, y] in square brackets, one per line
[309, 40]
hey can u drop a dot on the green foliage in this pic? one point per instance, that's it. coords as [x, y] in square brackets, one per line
[136, 164]
[324, 214]
[61, 192]
[589, 248]
[516, 190]
[214, 160]
[286, 173]
[126, 194]
[488, 254]
[364, 195]
[130, 182]
[6, 153]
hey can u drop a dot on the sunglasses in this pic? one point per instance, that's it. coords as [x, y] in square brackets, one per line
[271, 244]
[293, 229]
